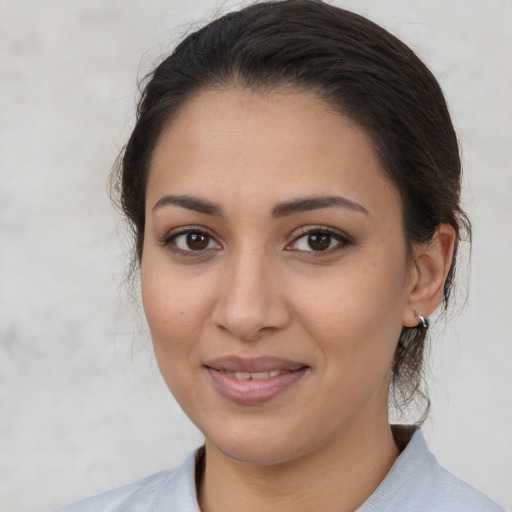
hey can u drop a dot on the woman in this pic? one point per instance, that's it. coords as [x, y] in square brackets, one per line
[293, 183]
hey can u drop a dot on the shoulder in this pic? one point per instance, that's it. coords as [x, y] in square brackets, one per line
[417, 482]
[141, 496]
[167, 490]
[452, 493]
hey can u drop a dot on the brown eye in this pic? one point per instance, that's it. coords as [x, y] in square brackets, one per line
[197, 241]
[192, 241]
[319, 241]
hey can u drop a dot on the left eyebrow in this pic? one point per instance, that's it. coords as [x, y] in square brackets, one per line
[305, 204]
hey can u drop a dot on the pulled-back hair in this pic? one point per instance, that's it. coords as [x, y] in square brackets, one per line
[362, 71]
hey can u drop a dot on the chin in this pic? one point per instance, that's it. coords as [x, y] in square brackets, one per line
[263, 443]
[263, 453]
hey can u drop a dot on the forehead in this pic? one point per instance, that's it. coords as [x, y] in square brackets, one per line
[273, 147]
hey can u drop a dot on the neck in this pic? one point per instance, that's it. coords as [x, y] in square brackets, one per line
[339, 477]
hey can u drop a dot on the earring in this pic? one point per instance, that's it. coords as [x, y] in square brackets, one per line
[422, 321]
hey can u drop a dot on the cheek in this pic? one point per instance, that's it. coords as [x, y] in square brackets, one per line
[174, 309]
[174, 305]
[353, 302]
[355, 316]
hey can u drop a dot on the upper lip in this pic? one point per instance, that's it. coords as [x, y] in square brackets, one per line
[253, 364]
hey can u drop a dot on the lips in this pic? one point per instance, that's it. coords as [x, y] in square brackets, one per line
[255, 380]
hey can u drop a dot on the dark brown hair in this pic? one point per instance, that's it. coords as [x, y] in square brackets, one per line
[358, 68]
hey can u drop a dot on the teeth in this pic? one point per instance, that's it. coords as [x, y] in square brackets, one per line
[256, 375]
[260, 375]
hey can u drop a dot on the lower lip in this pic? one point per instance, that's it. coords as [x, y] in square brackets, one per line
[253, 391]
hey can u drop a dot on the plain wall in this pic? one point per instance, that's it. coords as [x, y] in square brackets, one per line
[83, 407]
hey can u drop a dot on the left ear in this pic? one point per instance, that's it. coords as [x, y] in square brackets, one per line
[432, 262]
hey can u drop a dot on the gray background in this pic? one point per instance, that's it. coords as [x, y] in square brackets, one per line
[82, 405]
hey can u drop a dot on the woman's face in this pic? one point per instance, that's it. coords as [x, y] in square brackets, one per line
[275, 276]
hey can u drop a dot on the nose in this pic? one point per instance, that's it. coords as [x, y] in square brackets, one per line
[251, 300]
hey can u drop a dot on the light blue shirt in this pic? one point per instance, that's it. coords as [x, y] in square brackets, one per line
[415, 483]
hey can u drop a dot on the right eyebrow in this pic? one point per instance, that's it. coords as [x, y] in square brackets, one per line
[195, 204]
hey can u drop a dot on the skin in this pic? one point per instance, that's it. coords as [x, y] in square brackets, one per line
[259, 288]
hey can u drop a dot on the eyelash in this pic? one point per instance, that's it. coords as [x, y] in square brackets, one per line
[343, 241]
[170, 239]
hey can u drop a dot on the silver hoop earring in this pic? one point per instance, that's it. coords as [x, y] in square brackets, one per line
[423, 322]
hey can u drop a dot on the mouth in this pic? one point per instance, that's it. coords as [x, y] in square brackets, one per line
[253, 381]
[256, 375]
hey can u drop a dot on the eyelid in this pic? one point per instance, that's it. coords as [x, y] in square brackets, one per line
[342, 237]
[167, 239]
